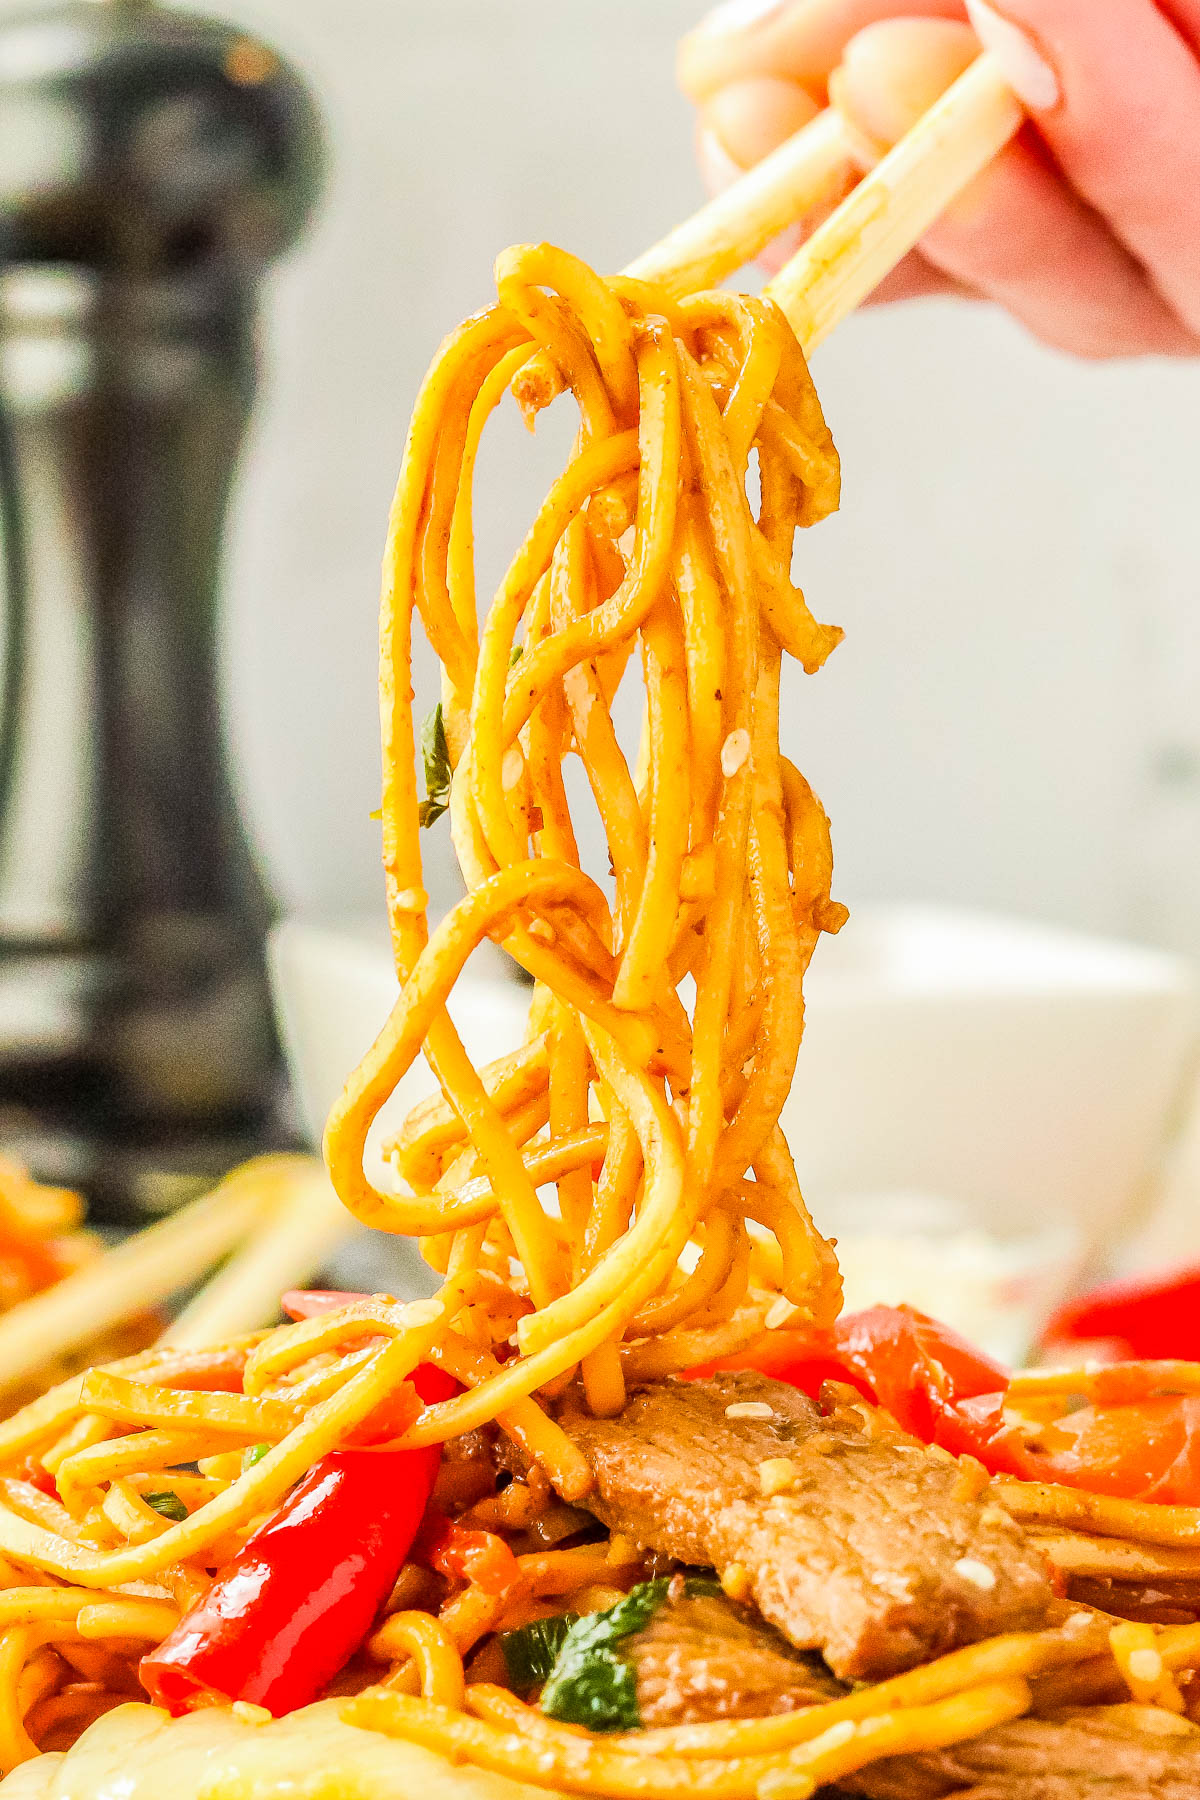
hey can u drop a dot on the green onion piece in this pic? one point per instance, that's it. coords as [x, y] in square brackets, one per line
[253, 1453]
[168, 1504]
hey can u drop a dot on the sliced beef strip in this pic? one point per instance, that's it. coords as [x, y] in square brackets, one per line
[702, 1657]
[1041, 1759]
[869, 1558]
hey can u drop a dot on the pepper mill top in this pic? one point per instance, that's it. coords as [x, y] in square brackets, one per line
[140, 141]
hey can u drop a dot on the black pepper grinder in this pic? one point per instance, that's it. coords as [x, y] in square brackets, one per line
[152, 163]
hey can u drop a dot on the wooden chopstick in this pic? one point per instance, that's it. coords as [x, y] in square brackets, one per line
[740, 222]
[881, 220]
[291, 1246]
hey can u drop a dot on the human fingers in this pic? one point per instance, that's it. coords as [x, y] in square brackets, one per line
[1115, 92]
[747, 119]
[793, 40]
[1018, 235]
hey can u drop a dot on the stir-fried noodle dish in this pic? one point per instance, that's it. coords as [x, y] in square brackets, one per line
[628, 1508]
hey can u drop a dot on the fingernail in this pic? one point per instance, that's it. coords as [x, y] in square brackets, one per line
[716, 165]
[1025, 68]
[733, 16]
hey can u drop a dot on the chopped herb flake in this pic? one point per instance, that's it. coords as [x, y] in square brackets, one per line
[531, 1650]
[591, 1683]
[169, 1505]
[435, 754]
[253, 1453]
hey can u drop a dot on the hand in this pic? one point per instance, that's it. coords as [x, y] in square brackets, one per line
[1087, 228]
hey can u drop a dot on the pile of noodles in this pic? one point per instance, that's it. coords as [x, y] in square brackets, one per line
[614, 1199]
[42, 1240]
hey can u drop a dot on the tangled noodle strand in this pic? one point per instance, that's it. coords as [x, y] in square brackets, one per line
[667, 1011]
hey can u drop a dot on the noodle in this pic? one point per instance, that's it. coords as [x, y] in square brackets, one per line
[645, 549]
[612, 1200]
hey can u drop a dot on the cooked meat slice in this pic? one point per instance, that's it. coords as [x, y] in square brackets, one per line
[868, 1556]
[1040, 1759]
[702, 1657]
[1157, 1603]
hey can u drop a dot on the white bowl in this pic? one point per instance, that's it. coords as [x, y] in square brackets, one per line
[969, 1087]
[1026, 1071]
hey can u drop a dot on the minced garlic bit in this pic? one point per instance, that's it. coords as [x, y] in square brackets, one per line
[734, 751]
[749, 1409]
[996, 1515]
[735, 1581]
[976, 1572]
[776, 1476]
[1145, 1664]
[780, 1312]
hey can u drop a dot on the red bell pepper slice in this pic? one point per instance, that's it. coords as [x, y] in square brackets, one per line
[931, 1380]
[289, 1611]
[1131, 1441]
[1157, 1318]
[480, 1557]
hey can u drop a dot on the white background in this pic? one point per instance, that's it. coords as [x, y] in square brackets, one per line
[1014, 718]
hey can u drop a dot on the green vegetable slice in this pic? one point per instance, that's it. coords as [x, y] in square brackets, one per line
[253, 1453]
[531, 1650]
[435, 754]
[591, 1683]
[168, 1504]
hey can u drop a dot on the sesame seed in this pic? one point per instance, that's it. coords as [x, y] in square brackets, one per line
[776, 1475]
[734, 751]
[780, 1312]
[977, 1573]
[749, 1409]
[1145, 1664]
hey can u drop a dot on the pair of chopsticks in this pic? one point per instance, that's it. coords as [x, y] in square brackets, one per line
[872, 230]
[275, 1219]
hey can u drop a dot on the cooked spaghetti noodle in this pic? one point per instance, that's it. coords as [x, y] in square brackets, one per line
[647, 548]
[613, 1197]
